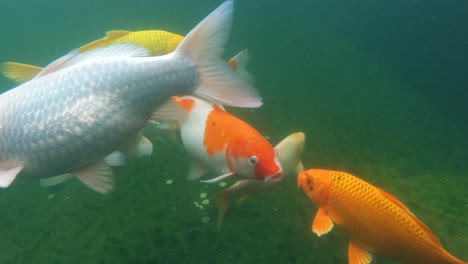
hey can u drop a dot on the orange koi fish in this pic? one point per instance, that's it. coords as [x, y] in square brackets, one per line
[222, 143]
[375, 221]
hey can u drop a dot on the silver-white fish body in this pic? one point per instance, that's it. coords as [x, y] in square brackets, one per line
[67, 119]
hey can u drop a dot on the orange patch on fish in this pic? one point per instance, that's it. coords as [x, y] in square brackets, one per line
[233, 64]
[221, 129]
[185, 103]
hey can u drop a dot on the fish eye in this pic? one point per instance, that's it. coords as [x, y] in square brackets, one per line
[253, 160]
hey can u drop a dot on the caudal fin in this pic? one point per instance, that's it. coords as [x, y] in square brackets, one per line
[205, 46]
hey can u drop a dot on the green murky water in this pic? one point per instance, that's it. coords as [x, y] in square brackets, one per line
[380, 89]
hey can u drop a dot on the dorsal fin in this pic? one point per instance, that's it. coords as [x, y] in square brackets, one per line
[75, 57]
[110, 37]
[397, 202]
[20, 72]
[115, 34]
[239, 63]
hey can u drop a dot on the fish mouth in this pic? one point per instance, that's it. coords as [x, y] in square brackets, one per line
[300, 179]
[275, 178]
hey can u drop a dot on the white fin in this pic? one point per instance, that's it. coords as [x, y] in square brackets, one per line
[220, 106]
[163, 125]
[115, 159]
[219, 178]
[51, 181]
[8, 176]
[169, 111]
[75, 57]
[239, 63]
[97, 176]
[144, 147]
[205, 45]
[196, 170]
[299, 167]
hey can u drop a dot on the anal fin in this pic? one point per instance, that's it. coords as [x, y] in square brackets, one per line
[358, 255]
[196, 170]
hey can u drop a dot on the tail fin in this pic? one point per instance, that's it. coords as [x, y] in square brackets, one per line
[222, 202]
[205, 46]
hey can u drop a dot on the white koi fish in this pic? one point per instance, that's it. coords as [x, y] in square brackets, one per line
[84, 106]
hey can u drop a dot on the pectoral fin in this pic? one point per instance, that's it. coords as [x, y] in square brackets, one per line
[322, 223]
[169, 111]
[115, 159]
[196, 170]
[97, 176]
[8, 176]
[140, 147]
[222, 202]
[358, 255]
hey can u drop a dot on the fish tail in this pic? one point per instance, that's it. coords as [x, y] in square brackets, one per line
[222, 202]
[219, 83]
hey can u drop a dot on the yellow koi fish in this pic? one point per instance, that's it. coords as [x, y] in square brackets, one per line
[157, 42]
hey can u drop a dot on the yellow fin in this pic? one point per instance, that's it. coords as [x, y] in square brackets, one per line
[115, 34]
[358, 255]
[110, 37]
[242, 198]
[19, 72]
[222, 202]
[322, 223]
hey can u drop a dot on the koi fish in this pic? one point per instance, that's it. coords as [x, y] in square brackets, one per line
[140, 145]
[222, 143]
[289, 152]
[375, 221]
[84, 106]
[157, 42]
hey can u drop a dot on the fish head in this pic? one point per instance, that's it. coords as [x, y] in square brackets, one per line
[289, 152]
[255, 160]
[316, 184]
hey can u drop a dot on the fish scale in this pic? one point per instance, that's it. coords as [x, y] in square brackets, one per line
[374, 221]
[81, 111]
[83, 106]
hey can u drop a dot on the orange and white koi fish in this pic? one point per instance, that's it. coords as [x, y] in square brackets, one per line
[223, 143]
[375, 221]
[289, 152]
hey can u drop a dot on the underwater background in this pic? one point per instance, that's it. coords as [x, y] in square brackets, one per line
[380, 88]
